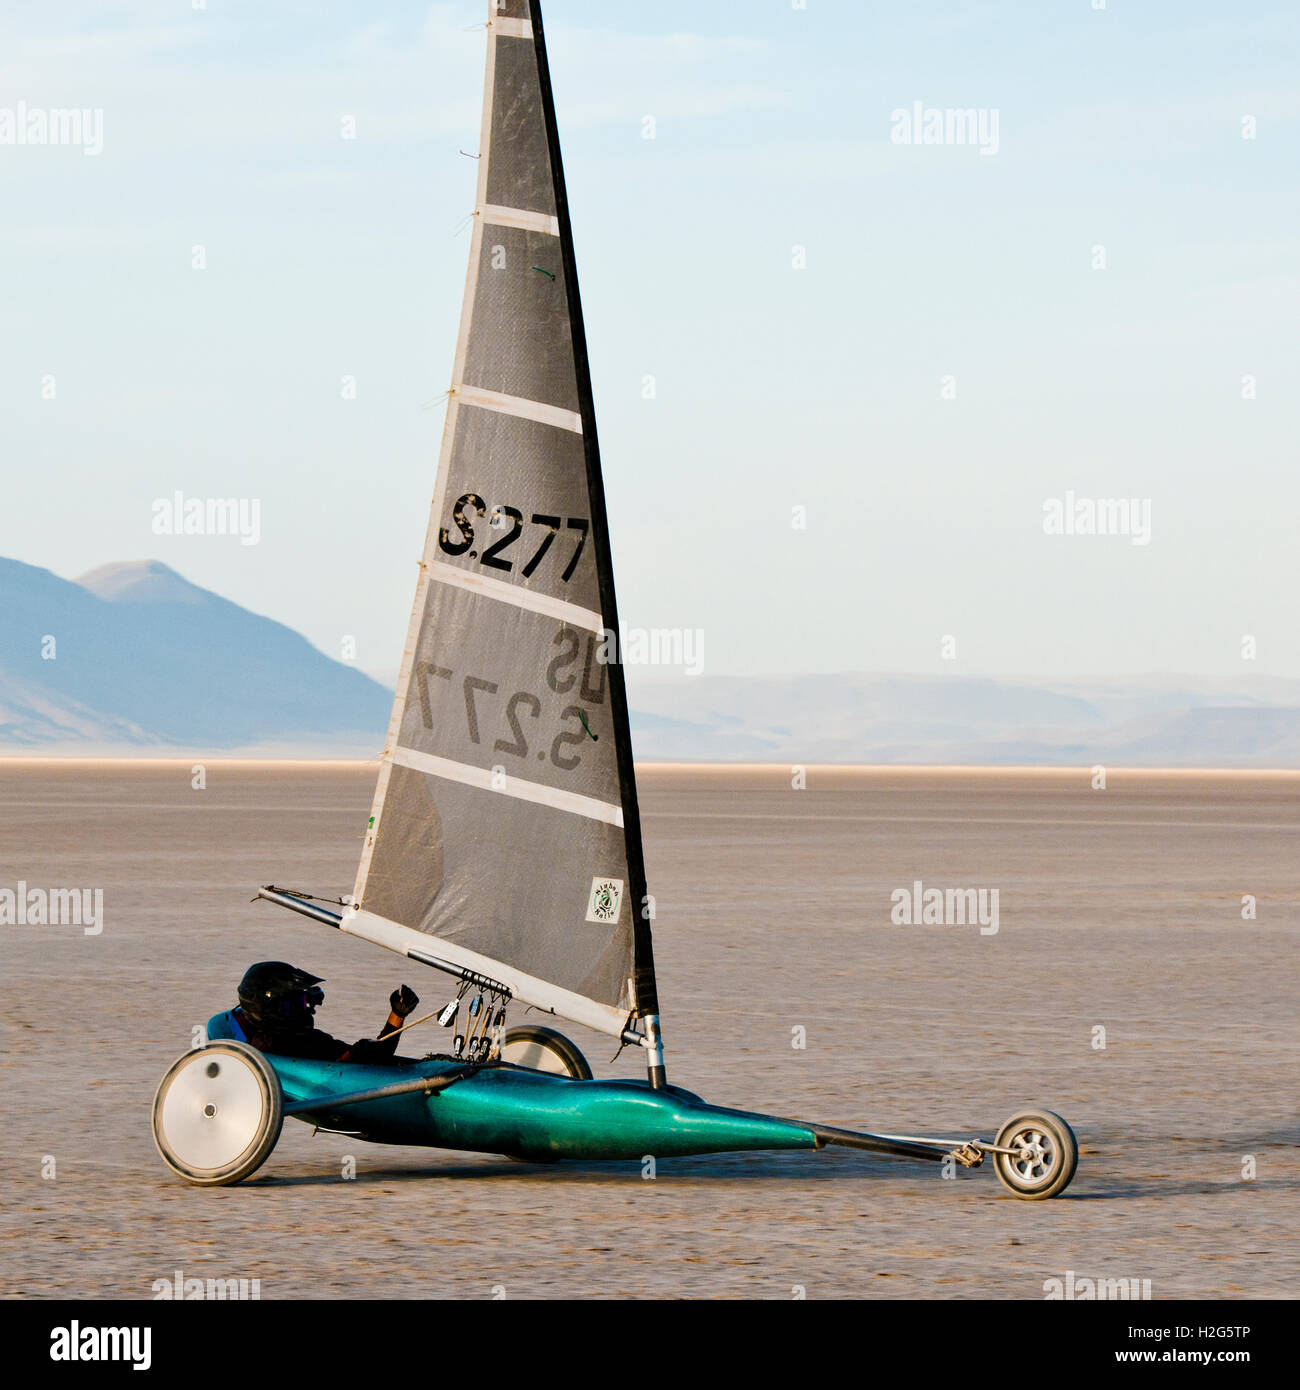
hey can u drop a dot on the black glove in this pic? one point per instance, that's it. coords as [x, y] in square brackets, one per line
[403, 1001]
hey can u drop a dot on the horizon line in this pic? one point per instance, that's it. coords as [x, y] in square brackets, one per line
[676, 765]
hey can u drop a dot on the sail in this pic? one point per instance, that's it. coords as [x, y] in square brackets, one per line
[505, 830]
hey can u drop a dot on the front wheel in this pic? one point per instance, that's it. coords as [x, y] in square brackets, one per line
[1044, 1158]
[217, 1114]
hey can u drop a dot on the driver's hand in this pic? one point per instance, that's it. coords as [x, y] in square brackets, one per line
[403, 1001]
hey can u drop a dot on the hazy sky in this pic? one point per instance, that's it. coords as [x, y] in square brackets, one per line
[1119, 136]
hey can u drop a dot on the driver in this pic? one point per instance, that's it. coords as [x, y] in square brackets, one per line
[277, 1004]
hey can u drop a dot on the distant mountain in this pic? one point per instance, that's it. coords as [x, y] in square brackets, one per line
[135, 656]
[1144, 721]
[144, 661]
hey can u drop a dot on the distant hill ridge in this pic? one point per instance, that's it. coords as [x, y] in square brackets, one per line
[141, 658]
[1140, 721]
[145, 661]
[144, 581]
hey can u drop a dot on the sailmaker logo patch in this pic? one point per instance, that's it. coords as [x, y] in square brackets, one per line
[606, 899]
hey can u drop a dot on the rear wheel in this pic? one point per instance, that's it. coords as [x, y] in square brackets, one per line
[544, 1049]
[218, 1113]
[1046, 1155]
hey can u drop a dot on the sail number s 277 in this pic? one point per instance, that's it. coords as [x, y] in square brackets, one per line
[488, 708]
[494, 556]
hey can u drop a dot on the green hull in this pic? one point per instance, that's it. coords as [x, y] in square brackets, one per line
[530, 1114]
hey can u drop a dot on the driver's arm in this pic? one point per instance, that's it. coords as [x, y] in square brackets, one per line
[401, 1004]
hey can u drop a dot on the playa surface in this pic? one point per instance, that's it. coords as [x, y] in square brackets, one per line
[1118, 909]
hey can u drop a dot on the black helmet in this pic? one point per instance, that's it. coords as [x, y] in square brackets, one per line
[278, 994]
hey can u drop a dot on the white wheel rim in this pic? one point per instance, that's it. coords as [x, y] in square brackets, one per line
[213, 1111]
[536, 1055]
[1036, 1158]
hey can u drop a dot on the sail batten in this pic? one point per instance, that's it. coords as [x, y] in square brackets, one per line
[519, 787]
[513, 28]
[525, 221]
[521, 598]
[520, 406]
[504, 828]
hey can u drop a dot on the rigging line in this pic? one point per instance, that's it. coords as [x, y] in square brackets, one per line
[392, 1033]
[307, 897]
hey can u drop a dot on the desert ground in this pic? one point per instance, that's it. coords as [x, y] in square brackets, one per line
[1118, 909]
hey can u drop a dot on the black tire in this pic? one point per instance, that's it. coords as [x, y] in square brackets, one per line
[218, 1114]
[1049, 1155]
[543, 1049]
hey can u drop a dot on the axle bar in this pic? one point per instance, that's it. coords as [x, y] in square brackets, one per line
[431, 1085]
